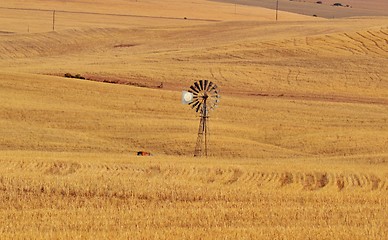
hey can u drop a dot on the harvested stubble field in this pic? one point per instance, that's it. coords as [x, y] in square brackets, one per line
[298, 144]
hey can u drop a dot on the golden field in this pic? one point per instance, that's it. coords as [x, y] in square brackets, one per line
[298, 144]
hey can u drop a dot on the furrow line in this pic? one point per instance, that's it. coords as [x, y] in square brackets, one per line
[369, 50]
[374, 42]
[337, 42]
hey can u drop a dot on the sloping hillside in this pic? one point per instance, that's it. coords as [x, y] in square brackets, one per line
[298, 144]
[274, 74]
[324, 9]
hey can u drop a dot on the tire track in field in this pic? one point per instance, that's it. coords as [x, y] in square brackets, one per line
[367, 49]
[329, 42]
[338, 42]
[376, 35]
[371, 40]
[54, 43]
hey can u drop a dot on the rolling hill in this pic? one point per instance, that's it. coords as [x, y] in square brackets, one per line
[324, 9]
[298, 144]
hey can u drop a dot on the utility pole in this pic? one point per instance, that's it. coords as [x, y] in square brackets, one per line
[235, 6]
[277, 8]
[54, 20]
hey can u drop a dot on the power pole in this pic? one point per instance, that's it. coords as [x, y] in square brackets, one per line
[54, 20]
[277, 8]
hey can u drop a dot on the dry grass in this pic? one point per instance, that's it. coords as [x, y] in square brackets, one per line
[298, 145]
[66, 195]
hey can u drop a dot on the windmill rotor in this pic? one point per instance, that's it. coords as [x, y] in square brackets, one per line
[202, 96]
[204, 93]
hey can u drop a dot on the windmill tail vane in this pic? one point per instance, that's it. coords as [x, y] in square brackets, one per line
[203, 96]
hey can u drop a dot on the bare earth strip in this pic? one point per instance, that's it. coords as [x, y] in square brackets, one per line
[325, 10]
[144, 83]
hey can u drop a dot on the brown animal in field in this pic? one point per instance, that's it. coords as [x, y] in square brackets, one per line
[141, 153]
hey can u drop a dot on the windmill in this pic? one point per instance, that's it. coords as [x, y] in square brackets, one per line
[202, 96]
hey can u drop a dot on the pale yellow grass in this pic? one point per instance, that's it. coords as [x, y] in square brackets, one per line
[298, 145]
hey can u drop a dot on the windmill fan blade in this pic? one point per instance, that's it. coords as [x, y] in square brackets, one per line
[213, 88]
[198, 107]
[201, 84]
[194, 101]
[195, 104]
[194, 90]
[205, 85]
[197, 86]
[208, 87]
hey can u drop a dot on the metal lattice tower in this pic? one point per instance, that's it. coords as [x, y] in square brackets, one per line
[202, 97]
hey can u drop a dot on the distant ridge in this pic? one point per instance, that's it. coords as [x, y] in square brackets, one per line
[110, 14]
[310, 8]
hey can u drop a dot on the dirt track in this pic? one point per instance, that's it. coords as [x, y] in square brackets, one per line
[322, 98]
[149, 83]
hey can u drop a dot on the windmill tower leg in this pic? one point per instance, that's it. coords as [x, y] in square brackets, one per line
[201, 146]
[200, 137]
[205, 134]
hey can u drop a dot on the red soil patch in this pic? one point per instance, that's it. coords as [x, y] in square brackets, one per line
[149, 83]
[124, 45]
[138, 82]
